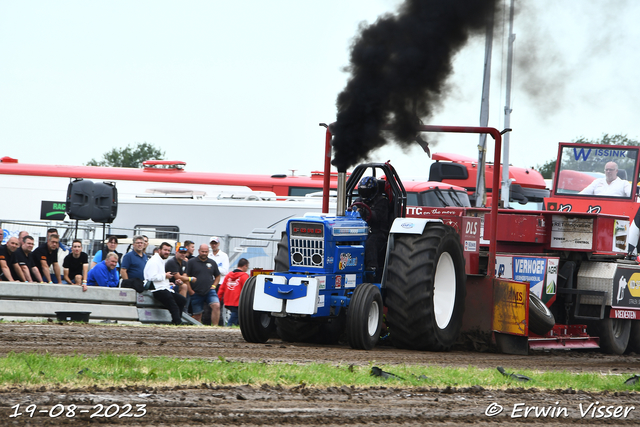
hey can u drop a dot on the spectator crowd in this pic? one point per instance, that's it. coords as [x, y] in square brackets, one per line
[198, 284]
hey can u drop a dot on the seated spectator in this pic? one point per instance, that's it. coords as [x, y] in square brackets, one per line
[6, 259]
[23, 263]
[63, 250]
[76, 266]
[162, 290]
[205, 277]
[45, 256]
[231, 287]
[134, 261]
[178, 266]
[104, 274]
[112, 244]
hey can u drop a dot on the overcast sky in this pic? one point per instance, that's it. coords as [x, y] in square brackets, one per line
[240, 86]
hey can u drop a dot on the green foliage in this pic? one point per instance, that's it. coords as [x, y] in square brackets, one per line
[607, 139]
[35, 370]
[548, 169]
[129, 157]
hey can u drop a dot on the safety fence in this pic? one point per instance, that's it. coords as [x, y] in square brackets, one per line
[259, 247]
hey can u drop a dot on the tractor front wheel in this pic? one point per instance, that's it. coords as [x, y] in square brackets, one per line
[256, 326]
[364, 317]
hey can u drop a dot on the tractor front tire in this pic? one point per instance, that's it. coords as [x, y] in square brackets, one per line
[364, 317]
[426, 288]
[256, 326]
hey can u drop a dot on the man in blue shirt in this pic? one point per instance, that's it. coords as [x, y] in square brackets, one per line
[133, 262]
[104, 274]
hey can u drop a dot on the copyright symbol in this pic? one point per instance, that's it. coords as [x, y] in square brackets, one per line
[493, 410]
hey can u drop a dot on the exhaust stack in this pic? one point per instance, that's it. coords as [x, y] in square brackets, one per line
[341, 205]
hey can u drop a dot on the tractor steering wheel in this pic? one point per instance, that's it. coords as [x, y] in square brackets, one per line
[364, 207]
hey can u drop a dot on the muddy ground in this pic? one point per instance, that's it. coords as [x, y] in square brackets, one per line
[208, 404]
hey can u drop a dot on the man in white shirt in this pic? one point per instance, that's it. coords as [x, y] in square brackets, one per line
[154, 271]
[222, 259]
[610, 185]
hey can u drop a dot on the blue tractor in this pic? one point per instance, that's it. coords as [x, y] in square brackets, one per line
[320, 287]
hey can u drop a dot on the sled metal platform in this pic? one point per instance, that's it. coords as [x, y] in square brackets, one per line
[564, 337]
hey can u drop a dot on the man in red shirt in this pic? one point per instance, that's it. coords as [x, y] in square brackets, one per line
[231, 287]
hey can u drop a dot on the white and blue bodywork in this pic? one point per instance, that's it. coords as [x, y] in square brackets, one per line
[326, 259]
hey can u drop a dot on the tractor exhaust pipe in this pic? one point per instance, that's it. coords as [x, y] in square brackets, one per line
[341, 205]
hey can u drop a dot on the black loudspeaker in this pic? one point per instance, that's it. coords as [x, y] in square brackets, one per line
[105, 207]
[80, 199]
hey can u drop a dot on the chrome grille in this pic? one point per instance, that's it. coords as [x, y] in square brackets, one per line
[307, 252]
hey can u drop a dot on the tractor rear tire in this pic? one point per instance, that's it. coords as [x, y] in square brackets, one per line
[614, 335]
[364, 317]
[281, 261]
[426, 289]
[293, 330]
[256, 326]
[541, 319]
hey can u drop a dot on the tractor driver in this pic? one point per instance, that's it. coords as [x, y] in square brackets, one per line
[373, 206]
[610, 185]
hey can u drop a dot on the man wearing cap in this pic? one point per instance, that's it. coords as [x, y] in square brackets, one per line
[154, 271]
[134, 261]
[178, 267]
[222, 259]
[205, 277]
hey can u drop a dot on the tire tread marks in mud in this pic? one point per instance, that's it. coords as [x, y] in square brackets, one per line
[410, 285]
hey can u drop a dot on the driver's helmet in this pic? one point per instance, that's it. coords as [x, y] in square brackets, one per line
[367, 188]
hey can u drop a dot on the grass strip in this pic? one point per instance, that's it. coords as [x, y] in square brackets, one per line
[35, 370]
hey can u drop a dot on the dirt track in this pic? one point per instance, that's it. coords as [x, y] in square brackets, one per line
[208, 404]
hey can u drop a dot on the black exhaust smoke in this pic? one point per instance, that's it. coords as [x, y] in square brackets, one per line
[399, 67]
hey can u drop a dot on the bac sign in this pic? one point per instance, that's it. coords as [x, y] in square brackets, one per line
[53, 210]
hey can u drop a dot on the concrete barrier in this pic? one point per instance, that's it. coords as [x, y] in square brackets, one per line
[38, 300]
[43, 300]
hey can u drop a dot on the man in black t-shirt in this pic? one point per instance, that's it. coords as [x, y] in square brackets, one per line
[178, 266]
[6, 259]
[23, 263]
[76, 265]
[205, 277]
[45, 256]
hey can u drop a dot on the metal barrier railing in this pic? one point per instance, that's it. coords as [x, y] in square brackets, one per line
[259, 247]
